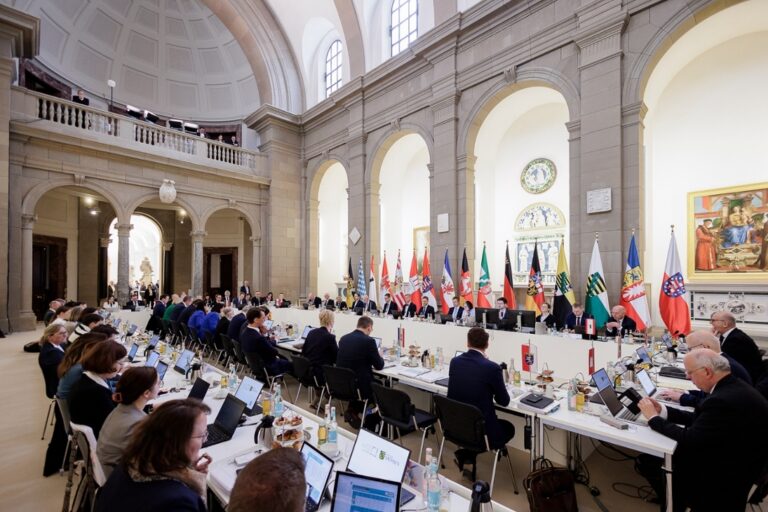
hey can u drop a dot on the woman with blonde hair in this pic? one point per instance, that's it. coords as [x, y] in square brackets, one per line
[320, 347]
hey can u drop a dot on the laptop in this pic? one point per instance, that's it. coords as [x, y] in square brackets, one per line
[611, 400]
[317, 471]
[306, 332]
[268, 324]
[161, 369]
[442, 382]
[152, 358]
[199, 389]
[353, 493]
[643, 356]
[131, 330]
[184, 361]
[377, 457]
[248, 391]
[116, 323]
[378, 342]
[132, 352]
[223, 428]
[153, 341]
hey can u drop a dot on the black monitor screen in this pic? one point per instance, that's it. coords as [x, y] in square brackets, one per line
[491, 315]
[230, 413]
[528, 317]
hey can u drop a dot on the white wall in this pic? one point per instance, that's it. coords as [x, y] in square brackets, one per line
[332, 211]
[404, 199]
[227, 228]
[57, 215]
[526, 125]
[706, 128]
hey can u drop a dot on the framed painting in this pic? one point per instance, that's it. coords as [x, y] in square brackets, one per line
[728, 234]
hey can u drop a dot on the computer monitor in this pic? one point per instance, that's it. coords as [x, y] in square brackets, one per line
[373, 455]
[161, 369]
[152, 359]
[491, 316]
[306, 332]
[317, 471]
[354, 492]
[184, 362]
[248, 391]
[528, 319]
[132, 352]
[643, 356]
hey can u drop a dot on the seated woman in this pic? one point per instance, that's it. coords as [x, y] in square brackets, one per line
[136, 387]
[545, 316]
[226, 317]
[162, 468]
[196, 320]
[70, 369]
[469, 313]
[320, 347]
[90, 400]
[211, 318]
[51, 354]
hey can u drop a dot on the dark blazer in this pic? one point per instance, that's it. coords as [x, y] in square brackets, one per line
[48, 316]
[222, 326]
[342, 305]
[186, 313]
[256, 301]
[320, 348]
[133, 304]
[90, 404]
[627, 325]
[427, 311]
[549, 321]
[358, 352]
[742, 348]
[245, 289]
[252, 342]
[178, 310]
[478, 381]
[236, 325]
[49, 359]
[389, 308]
[694, 397]
[158, 310]
[371, 306]
[459, 314]
[728, 429]
[84, 101]
[317, 302]
[409, 310]
[122, 494]
[570, 320]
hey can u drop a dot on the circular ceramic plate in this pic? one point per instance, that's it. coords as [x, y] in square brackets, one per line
[538, 176]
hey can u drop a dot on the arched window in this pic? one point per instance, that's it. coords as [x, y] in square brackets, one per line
[333, 68]
[405, 24]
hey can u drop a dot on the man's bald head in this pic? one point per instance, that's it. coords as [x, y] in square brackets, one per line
[703, 339]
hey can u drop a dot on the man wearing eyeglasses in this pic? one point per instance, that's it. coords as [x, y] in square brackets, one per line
[726, 431]
[737, 344]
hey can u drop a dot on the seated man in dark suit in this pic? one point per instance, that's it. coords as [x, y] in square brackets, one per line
[134, 302]
[246, 288]
[257, 299]
[254, 341]
[314, 301]
[619, 323]
[389, 307]
[237, 323]
[155, 322]
[368, 304]
[506, 321]
[358, 352]
[189, 311]
[426, 310]
[476, 380]
[576, 322]
[328, 301]
[455, 311]
[180, 308]
[320, 347]
[726, 431]
[357, 302]
[341, 304]
[409, 308]
[282, 302]
[737, 344]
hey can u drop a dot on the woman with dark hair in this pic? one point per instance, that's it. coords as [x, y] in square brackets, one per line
[269, 298]
[90, 399]
[162, 468]
[469, 313]
[51, 355]
[70, 369]
[136, 387]
[211, 319]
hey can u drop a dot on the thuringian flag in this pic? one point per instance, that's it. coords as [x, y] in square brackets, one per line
[534, 297]
[564, 296]
[673, 299]
[509, 289]
[597, 296]
[633, 296]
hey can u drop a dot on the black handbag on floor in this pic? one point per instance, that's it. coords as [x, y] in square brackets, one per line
[550, 489]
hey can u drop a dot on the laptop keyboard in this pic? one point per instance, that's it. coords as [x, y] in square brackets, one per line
[215, 436]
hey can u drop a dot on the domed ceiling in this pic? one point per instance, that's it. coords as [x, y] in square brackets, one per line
[173, 57]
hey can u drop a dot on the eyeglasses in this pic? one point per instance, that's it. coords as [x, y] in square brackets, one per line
[689, 373]
[203, 436]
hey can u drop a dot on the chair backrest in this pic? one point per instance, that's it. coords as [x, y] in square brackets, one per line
[302, 369]
[256, 364]
[226, 341]
[393, 404]
[341, 382]
[239, 354]
[462, 424]
[63, 406]
[86, 441]
[193, 334]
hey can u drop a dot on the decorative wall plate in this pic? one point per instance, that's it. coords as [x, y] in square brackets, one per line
[538, 176]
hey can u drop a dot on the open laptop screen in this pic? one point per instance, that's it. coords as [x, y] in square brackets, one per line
[375, 456]
[602, 380]
[378, 341]
[248, 391]
[645, 380]
[229, 414]
[154, 340]
[185, 360]
[132, 352]
[317, 470]
[359, 493]
[306, 332]
[642, 354]
[152, 359]
[161, 369]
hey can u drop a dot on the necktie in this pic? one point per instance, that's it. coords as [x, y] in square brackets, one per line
[578, 320]
[722, 338]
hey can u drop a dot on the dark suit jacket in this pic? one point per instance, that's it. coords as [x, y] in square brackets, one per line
[358, 352]
[427, 311]
[84, 101]
[178, 310]
[158, 310]
[478, 381]
[245, 289]
[329, 304]
[627, 325]
[694, 397]
[570, 320]
[49, 360]
[90, 403]
[320, 348]
[282, 304]
[252, 342]
[122, 494]
[317, 302]
[48, 316]
[409, 310]
[742, 348]
[549, 321]
[235, 326]
[727, 430]
[389, 308]
[342, 305]
[187, 313]
[459, 314]
[132, 305]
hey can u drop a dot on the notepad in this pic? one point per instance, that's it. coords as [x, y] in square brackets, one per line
[412, 372]
[431, 376]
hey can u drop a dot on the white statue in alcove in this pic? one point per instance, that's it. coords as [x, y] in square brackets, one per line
[146, 271]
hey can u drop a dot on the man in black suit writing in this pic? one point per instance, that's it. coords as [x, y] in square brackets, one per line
[426, 310]
[737, 344]
[328, 301]
[314, 301]
[389, 307]
[358, 352]
[726, 431]
[619, 323]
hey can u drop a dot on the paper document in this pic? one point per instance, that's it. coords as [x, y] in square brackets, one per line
[412, 372]
[431, 376]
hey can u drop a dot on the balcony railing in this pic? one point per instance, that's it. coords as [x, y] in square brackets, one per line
[146, 137]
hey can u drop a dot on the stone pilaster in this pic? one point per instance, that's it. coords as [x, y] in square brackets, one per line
[256, 281]
[6, 70]
[123, 261]
[360, 215]
[197, 238]
[26, 315]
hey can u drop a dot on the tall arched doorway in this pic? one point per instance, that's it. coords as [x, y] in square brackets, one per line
[145, 256]
[332, 228]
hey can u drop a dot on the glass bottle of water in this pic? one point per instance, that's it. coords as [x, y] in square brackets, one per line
[433, 488]
[232, 377]
[333, 439]
[278, 400]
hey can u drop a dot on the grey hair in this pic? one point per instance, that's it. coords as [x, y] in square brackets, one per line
[728, 317]
[706, 358]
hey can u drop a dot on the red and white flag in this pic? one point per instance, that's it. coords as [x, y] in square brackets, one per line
[427, 290]
[397, 288]
[673, 303]
[414, 283]
[446, 286]
[385, 286]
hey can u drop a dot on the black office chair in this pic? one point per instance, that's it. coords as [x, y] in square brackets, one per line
[186, 337]
[239, 354]
[341, 384]
[303, 371]
[398, 412]
[259, 370]
[464, 425]
[229, 349]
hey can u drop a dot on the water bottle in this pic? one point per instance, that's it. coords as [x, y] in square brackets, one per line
[232, 377]
[425, 472]
[433, 488]
[278, 399]
[333, 438]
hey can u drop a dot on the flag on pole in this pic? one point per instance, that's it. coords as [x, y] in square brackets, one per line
[534, 297]
[509, 288]
[350, 283]
[564, 297]
[633, 290]
[597, 296]
[673, 304]
[465, 285]
[397, 289]
[446, 285]
[385, 285]
[360, 279]
[372, 281]
[427, 289]
[413, 281]
[484, 294]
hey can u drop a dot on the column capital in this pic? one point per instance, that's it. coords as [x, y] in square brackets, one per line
[574, 129]
[466, 161]
[197, 236]
[104, 241]
[123, 229]
[633, 113]
[167, 246]
[28, 221]
[256, 240]
[431, 169]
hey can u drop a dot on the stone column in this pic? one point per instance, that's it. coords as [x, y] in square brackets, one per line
[312, 250]
[359, 212]
[197, 261]
[26, 315]
[167, 284]
[123, 262]
[103, 266]
[6, 71]
[256, 257]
